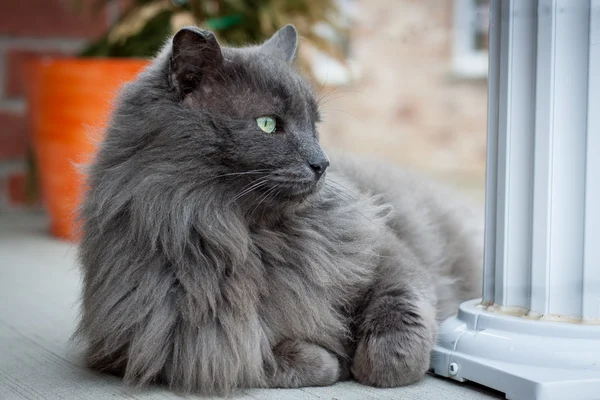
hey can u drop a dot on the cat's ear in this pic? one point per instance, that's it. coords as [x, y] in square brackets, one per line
[195, 53]
[283, 44]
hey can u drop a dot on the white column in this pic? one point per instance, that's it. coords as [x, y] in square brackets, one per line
[536, 333]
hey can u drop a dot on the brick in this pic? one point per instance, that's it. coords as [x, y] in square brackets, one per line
[14, 135]
[42, 18]
[405, 112]
[17, 189]
[15, 71]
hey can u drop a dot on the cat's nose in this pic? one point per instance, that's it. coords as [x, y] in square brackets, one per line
[319, 166]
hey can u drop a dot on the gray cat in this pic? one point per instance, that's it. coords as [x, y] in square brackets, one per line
[220, 249]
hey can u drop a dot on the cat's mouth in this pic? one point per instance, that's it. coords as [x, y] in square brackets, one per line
[296, 189]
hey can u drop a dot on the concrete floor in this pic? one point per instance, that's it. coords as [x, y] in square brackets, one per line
[39, 290]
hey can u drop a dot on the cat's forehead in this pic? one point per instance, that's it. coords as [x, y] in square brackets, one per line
[257, 70]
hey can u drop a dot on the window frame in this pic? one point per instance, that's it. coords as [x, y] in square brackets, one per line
[467, 60]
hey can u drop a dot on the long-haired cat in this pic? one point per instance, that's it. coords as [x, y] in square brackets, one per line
[222, 248]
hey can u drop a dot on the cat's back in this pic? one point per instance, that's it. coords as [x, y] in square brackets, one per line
[413, 195]
[439, 225]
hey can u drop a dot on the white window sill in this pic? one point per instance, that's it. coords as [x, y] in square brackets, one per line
[473, 66]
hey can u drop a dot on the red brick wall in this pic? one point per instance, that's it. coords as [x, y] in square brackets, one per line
[408, 106]
[30, 28]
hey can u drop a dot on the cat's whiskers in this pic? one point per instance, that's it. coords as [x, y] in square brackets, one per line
[343, 189]
[251, 172]
[276, 193]
[246, 190]
[264, 198]
[346, 191]
[255, 181]
[323, 85]
[324, 100]
[321, 101]
[345, 112]
[334, 89]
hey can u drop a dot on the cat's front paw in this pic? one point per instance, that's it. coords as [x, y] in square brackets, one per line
[391, 360]
[302, 364]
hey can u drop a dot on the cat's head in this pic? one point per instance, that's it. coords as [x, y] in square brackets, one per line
[241, 118]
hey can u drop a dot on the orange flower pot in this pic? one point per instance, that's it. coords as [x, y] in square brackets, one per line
[69, 103]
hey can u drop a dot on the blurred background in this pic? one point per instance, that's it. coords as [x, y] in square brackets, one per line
[401, 80]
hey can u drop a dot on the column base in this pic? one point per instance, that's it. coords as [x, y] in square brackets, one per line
[525, 358]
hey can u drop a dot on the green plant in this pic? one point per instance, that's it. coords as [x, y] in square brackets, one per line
[145, 25]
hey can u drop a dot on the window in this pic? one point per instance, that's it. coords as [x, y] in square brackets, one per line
[470, 40]
[326, 69]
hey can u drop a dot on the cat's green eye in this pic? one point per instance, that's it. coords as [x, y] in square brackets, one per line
[267, 124]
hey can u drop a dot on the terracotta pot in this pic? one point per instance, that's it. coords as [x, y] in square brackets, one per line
[69, 103]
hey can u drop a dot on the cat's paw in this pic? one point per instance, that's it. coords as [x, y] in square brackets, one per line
[304, 364]
[391, 360]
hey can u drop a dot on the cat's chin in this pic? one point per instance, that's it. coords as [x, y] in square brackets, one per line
[302, 194]
[293, 198]
[296, 191]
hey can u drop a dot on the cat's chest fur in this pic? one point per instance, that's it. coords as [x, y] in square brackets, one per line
[317, 265]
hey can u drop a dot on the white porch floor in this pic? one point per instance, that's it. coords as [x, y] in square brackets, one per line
[39, 291]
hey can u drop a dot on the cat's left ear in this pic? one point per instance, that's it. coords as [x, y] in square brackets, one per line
[195, 54]
[283, 44]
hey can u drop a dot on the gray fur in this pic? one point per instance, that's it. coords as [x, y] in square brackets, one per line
[214, 258]
[283, 44]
